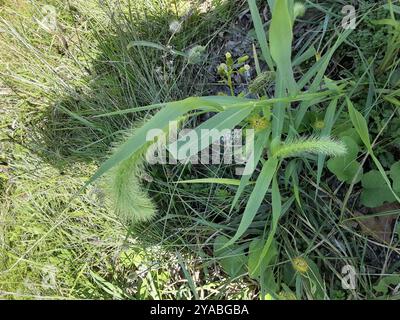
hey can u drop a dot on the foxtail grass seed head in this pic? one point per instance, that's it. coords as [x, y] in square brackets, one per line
[300, 265]
[124, 188]
[313, 145]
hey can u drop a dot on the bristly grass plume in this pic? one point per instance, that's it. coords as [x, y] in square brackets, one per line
[313, 145]
[123, 184]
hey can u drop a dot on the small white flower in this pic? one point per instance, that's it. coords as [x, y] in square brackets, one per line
[175, 26]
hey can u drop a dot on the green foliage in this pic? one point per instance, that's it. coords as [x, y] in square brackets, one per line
[231, 258]
[395, 175]
[76, 97]
[346, 168]
[280, 38]
[233, 111]
[375, 190]
[387, 284]
[255, 268]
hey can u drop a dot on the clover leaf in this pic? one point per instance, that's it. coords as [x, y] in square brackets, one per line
[232, 259]
[375, 190]
[346, 167]
[395, 175]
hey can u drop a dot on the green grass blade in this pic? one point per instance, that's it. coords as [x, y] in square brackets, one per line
[280, 39]
[259, 146]
[154, 46]
[261, 36]
[276, 213]
[318, 70]
[231, 182]
[326, 132]
[361, 126]
[257, 196]
[209, 131]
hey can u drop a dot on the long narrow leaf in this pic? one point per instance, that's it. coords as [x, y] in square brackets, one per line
[209, 131]
[261, 36]
[259, 146]
[231, 182]
[257, 196]
[280, 39]
[326, 132]
[276, 213]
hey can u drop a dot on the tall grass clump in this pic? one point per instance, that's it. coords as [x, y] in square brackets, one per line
[67, 91]
[245, 232]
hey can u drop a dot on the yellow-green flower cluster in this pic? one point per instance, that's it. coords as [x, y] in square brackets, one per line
[258, 123]
[300, 265]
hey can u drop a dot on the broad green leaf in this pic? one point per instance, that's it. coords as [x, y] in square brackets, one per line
[352, 133]
[279, 109]
[395, 175]
[276, 203]
[345, 168]
[360, 124]
[268, 284]
[257, 196]
[315, 281]
[375, 190]
[384, 176]
[255, 250]
[227, 100]
[386, 283]
[232, 257]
